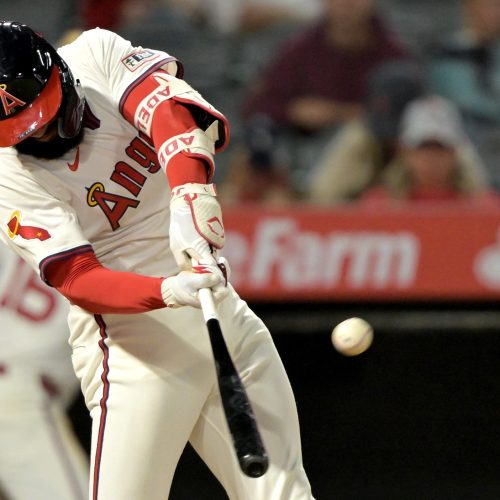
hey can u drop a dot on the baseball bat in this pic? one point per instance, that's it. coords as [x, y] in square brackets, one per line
[240, 418]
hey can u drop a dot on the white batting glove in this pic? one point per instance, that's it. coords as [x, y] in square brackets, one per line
[196, 228]
[182, 289]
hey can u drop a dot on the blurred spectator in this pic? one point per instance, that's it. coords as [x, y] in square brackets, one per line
[105, 14]
[434, 160]
[112, 14]
[316, 82]
[230, 16]
[466, 69]
[363, 147]
[318, 78]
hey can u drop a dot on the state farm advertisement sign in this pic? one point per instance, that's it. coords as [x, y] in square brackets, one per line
[440, 253]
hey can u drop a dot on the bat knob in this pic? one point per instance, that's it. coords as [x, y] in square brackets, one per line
[254, 465]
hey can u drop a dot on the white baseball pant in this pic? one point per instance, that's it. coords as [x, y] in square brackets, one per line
[149, 383]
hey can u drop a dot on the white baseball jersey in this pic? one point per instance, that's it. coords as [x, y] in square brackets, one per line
[110, 192]
[148, 379]
[111, 182]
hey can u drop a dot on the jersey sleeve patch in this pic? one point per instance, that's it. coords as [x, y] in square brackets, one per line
[15, 228]
[138, 58]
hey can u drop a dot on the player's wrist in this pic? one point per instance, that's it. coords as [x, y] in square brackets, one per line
[193, 188]
[184, 169]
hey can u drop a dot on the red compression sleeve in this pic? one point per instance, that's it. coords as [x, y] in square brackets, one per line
[172, 118]
[88, 284]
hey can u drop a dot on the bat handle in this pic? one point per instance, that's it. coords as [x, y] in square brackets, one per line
[207, 304]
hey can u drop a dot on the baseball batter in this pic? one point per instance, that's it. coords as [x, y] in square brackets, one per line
[106, 160]
[40, 458]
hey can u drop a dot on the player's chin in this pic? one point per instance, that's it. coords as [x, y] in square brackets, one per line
[51, 148]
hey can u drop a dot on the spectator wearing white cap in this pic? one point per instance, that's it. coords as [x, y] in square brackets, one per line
[435, 160]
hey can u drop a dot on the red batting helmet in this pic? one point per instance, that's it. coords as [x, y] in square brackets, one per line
[36, 86]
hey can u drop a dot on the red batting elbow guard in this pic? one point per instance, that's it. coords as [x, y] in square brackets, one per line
[170, 119]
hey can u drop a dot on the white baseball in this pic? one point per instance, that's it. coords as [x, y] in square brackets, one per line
[352, 336]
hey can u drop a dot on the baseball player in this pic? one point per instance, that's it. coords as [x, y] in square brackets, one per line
[105, 187]
[40, 457]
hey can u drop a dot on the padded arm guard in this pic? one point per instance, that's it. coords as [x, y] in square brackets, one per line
[195, 143]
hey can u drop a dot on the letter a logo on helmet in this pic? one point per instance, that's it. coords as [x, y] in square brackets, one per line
[36, 87]
[9, 102]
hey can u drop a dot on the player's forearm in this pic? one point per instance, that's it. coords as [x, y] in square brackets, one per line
[89, 285]
[103, 291]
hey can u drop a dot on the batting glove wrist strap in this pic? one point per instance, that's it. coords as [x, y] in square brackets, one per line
[196, 227]
[193, 188]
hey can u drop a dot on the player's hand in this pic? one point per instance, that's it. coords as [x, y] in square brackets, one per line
[196, 228]
[182, 289]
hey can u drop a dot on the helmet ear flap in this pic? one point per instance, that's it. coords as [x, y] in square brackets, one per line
[71, 113]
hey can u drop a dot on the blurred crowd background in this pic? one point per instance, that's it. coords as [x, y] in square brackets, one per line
[350, 102]
[330, 101]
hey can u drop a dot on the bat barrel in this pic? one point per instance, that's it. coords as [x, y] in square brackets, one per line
[248, 445]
